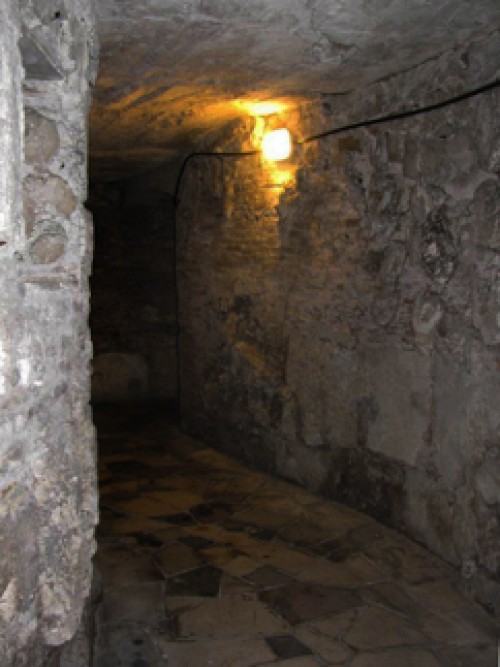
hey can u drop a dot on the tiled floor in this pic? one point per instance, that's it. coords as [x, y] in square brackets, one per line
[206, 563]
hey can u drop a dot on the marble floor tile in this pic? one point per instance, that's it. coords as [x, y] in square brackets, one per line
[141, 506]
[479, 656]
[304, 661]
[177, 558]
[217, 653]
[305, 602]
[206, 563]
[278, 503]
[335, 626]
[229, 617]
[354, 571]
[377, 628]
[332, 651]
[126, 525]
[196, 542]
[281, 557]
[409, 657]
[129, 468]
[182, 519]
[178, 604]
[218, 555]
[170, 534]
[180, 500]
[439, 596]
[261, 518]
[288, 646]
[236, 587]
[301, 534]
[267, 577]
[334, 518]
[213, 512]
[240, 566]
[129, 486]
[202, 582]
[147, 540]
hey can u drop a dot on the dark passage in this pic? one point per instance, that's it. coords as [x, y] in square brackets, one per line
[133, 315]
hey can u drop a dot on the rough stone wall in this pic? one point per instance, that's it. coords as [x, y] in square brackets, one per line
[349, 338]
[133, 318]
[47, 455]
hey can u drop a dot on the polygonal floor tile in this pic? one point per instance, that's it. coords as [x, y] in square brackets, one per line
[378, 628]
[177, 558]
[267, 577]
[330, 650]
[217, 653]
[301, 602]
[202, 582]
[288, 646]
[399, 657]
[229, 617]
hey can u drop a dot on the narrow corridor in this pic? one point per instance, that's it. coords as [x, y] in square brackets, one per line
[207, 563]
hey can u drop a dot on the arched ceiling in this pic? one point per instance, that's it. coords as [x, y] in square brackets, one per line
[171, 70]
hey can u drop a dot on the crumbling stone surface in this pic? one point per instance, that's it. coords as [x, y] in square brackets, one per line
[47, 452]
[343, 331]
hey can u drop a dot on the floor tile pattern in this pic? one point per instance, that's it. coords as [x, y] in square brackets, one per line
[206, 563]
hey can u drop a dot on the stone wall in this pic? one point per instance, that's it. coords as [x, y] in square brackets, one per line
[47, 455]
[339, 313]
[133, 297]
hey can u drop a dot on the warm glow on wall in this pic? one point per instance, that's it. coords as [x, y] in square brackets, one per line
[260, 109]
[277, 145]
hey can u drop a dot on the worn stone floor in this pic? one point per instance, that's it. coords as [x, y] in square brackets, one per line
[206, 563]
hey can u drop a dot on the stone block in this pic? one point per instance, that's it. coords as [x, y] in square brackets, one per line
[41, 138]
[46, 195]
[49, 246]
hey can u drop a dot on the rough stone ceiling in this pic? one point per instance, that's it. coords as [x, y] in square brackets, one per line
[170, 70]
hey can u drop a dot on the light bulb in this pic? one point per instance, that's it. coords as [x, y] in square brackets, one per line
[277, 145]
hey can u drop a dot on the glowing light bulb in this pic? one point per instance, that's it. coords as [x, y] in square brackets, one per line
[277, 145]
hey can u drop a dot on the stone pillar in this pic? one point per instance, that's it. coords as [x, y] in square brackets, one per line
[48, 503]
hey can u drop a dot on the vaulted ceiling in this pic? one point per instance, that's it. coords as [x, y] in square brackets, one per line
[173, 72]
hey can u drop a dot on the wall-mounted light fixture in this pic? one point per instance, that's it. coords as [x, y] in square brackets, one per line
[277, 145]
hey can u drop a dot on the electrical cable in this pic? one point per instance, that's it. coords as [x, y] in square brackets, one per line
[378, 120]
[314, 137]
[399, 115]
[191, 156]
